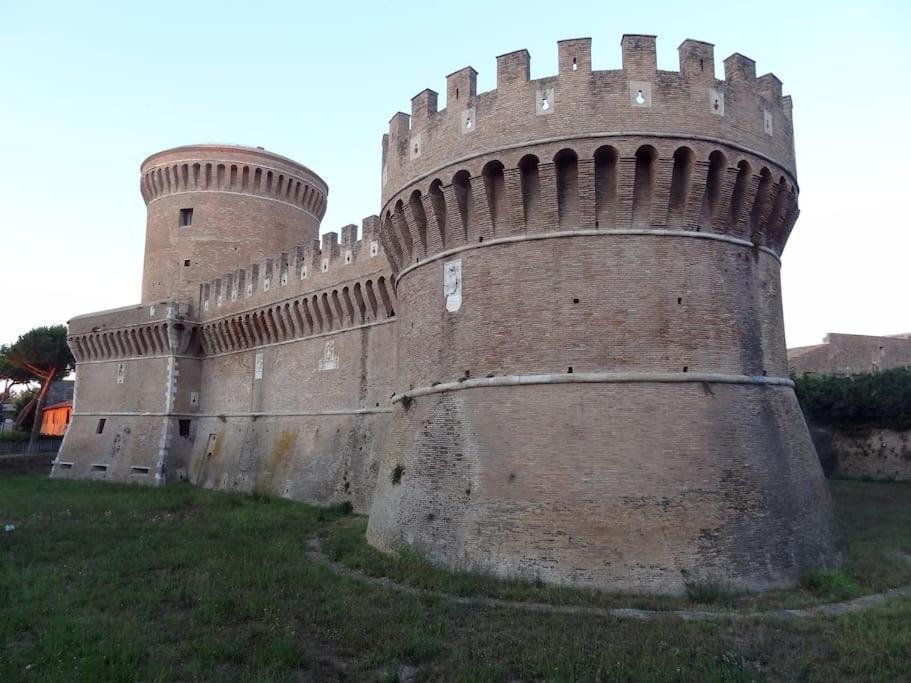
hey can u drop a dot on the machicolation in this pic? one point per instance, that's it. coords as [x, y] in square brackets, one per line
[556, 353]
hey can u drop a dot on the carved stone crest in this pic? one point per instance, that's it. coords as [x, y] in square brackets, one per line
[452, 285]
[329, 361]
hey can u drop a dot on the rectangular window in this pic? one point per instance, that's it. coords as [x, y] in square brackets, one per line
[186, 217]
[183, 427]
[100, 428]
[186, 263]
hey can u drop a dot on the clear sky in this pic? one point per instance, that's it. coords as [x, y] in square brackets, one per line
[89, 89]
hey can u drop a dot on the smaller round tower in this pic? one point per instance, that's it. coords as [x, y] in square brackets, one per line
[212, 207]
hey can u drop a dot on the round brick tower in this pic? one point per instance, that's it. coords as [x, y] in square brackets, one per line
[212, 207]
[592, 381]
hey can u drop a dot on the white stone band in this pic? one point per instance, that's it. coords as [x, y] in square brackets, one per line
[597, 378]
[293, 413]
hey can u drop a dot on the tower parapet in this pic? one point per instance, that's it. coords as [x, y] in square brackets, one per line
[592, 378]
[628, 148]
[742, 111]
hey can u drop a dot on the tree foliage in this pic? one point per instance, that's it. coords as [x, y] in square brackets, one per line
[10, 375]
[866, 401]
[44, 353]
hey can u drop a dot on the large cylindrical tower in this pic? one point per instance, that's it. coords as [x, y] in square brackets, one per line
[213, 207]
[592, 382]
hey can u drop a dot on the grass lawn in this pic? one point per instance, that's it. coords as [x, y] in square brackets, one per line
[106, 582]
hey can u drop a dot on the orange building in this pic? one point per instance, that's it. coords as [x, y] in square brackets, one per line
[56, 418]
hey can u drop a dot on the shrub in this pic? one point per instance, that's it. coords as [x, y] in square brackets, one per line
[865, 401]
[830, 583]
[710, 592]
[14, 435]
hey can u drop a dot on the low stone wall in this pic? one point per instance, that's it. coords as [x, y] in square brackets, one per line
[877, 454]
[18, 447]
[25, 462]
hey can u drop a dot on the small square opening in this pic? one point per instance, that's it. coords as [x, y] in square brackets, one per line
[100, 428]
[183, 428]
[186, 263]
[186, 217]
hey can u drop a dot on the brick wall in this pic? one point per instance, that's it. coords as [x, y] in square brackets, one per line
[846, 354]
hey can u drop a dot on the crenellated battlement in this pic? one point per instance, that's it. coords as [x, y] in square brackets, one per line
[743, 111]
[141, 331]
[314, 265]
[233, 168]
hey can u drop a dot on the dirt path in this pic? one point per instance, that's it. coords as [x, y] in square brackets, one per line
[826, 610]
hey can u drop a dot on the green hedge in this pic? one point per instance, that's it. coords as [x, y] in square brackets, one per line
[880, 400]
[13, 435]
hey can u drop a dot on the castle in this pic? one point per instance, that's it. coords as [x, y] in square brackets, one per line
[557, 354]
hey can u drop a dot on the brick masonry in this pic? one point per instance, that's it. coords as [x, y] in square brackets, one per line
[867, 454]
[847, 354]
[557, 353]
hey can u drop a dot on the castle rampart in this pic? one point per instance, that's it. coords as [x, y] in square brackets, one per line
[127, 406]
[210, 400]
[556, 353]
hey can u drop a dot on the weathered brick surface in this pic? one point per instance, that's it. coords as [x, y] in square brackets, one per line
[846, 354]
[595, 303]
[867, 454]
[635, 487]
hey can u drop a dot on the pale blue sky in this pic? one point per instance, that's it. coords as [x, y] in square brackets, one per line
[88, 90]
